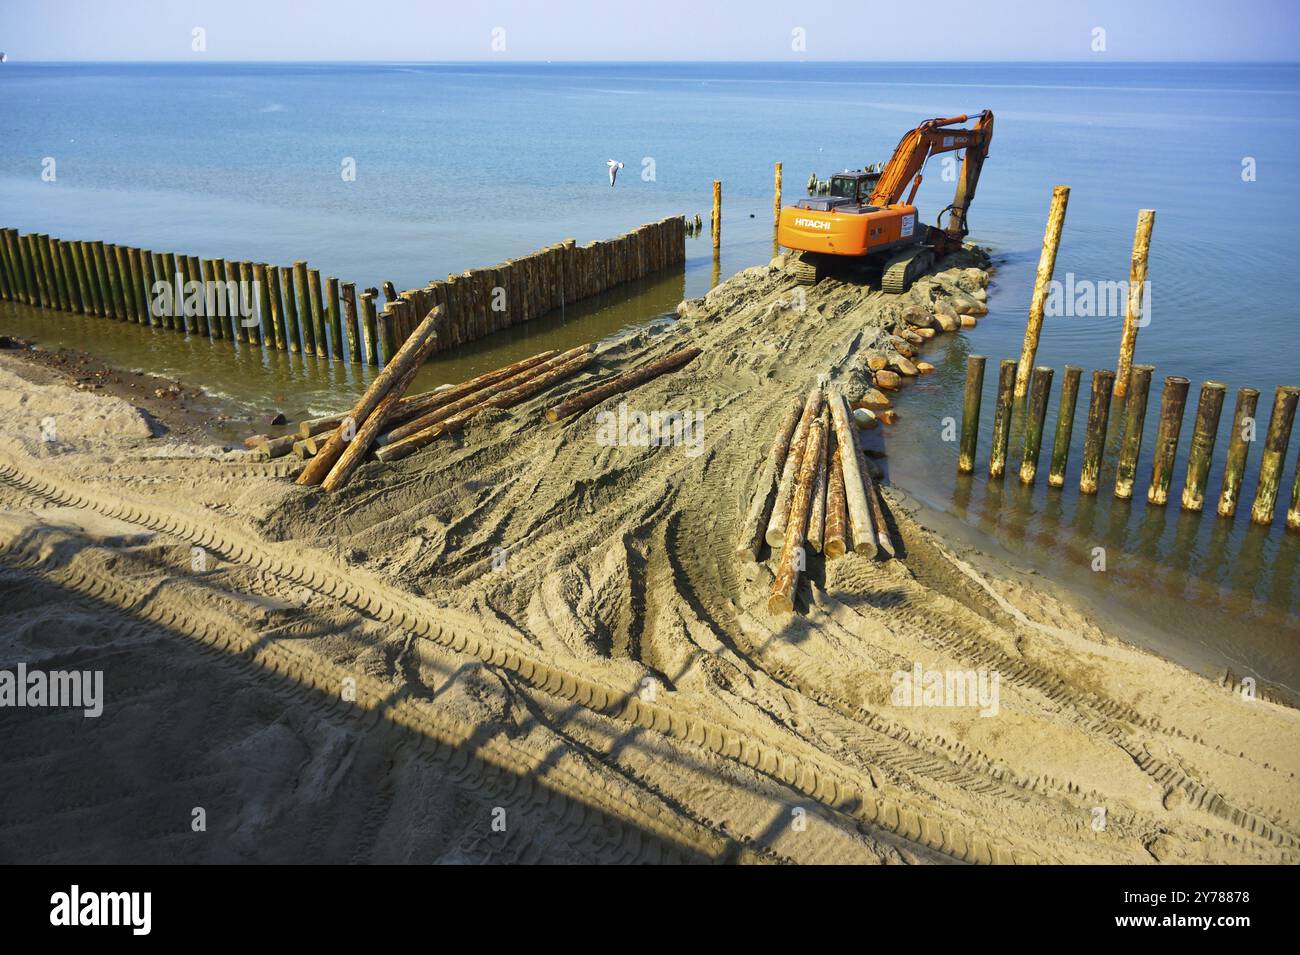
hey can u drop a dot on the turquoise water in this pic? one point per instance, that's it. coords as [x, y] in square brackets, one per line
[463, 165]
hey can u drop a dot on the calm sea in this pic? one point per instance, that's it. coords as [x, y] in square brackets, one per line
[462, 165]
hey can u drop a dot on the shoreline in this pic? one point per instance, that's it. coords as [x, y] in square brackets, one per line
[618, 572]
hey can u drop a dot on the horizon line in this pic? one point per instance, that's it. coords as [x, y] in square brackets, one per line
[564, 62]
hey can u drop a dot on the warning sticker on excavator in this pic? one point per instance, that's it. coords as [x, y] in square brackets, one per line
[909, 224]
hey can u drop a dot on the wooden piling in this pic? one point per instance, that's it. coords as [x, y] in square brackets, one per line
[51, 277]
[279, 319]
[1135, 410]
[302, 297]
[14, 292]
[776, 198]
[836, 533]
[270, 332]
[793, 555]
[68, 250]
[139, 304]
[9, 238]
[760, 507]
[334, 320]
[194, 273]
[147, 266]
[1040, 390]
[1234, 468]
[371, 321]
[297, 340]
[855, 489]
[1293, 513]
[350, 326]
[1137, 279]
[1201, 453]
[1002, 418]
[214, 270]
[1173, 399]
[717, 214]
[970, 414]
[32, 255]
[1273, 458]
[61, 300]
[94, 287]
[1042, 285]
[175, 319]
[120, 272]
[387, 332]
[318, 313]
[1064, 425]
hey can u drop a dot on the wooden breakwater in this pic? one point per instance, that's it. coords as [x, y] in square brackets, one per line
[481, 301]
[292, 309]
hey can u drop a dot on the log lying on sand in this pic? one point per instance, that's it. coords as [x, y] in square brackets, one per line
[817, 515]
[522, 390]
[775, 533]
[855, 498]
[751, 534]
[413, 352]
[414, 406]
[315, 425]
[453, 401]
[366, 434]
[781, 599]
[836, 532]
[624, 382]
[886, 545]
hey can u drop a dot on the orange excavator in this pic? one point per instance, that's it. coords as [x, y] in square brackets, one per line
[863, 224]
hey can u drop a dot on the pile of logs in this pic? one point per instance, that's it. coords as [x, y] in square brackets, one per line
[815, 490]
[388, 425]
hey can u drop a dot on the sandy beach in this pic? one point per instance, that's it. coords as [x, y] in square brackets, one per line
[529, 626]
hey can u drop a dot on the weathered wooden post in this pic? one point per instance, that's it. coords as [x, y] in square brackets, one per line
[1040, 390]
[32, 253]
[1273, 459]
[51, 276]
[1094, 439]
[1064, 425]
[214, 270]
[135, 289]
[302, 296]
[1293, 513]
[253, 330]
[1137, 280]
[175, 318]
[1239, 442]
[781, 599]
[717, 214]
[270, 333]
[297, 337]
[1173, 399]
[318, 313]
[388, 332]
[149, 261]
[776, 199]
[970, 414]
[1135, 410]
[119, 274]
[62, 301]
[1201, 453]
[350, 322]
[372, 327]
[776, 522]
[334, 318]
[752, 534]
[10, 238]
[1042, 285]
[279, 317]
[76, 278]
[1002, 418]
[93, 278]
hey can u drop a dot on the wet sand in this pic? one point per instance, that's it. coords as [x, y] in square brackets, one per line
[523, 624]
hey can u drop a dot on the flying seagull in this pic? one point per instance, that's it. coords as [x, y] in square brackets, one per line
[614, 166]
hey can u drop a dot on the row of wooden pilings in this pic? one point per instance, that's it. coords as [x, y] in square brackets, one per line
[481, 301]
[260, 305]
[1173, 401]
[291, 309]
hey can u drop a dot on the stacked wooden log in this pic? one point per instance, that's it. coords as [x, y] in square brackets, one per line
[816, 491]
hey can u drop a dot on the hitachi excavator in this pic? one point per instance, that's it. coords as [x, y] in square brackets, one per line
[861, 225]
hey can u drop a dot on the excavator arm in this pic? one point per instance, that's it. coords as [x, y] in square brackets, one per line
[938, 136]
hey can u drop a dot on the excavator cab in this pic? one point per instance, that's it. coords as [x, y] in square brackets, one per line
[856, 186]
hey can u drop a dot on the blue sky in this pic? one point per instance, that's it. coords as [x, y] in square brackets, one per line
[945, 30]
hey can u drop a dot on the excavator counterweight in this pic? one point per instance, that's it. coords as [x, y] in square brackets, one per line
[864, 220]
